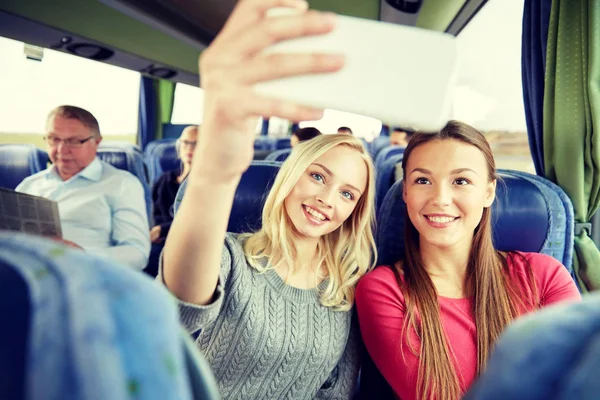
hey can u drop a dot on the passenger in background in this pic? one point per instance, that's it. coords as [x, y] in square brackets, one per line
[400, 137]
[431, 320]
[166, 187]
[272, 310]
[102, 209]
[344, 130]
[303, 134]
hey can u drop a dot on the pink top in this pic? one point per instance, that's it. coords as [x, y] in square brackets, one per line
[381, 312]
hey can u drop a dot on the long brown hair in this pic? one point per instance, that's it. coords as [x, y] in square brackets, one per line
[496, 299]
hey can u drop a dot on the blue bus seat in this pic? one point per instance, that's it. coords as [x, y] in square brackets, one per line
[264, 143]
[366, 144]
[132, 162]
[378, 144]
[246, 212]
[550, 354]
[14, 332]
[18, 161]
[161, 156]
[386, 177]
[283, 143]
[250, 196]
[386, 153]
[279, 155]
[76, 326]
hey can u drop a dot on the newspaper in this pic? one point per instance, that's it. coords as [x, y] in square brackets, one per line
[31, 214]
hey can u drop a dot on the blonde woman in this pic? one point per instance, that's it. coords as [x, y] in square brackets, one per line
[271, 310]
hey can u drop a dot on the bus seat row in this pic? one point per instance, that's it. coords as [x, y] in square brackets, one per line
[271, 143]
[161, 156]
[18, 162]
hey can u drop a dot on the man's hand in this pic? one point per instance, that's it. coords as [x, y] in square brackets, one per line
[155, 234]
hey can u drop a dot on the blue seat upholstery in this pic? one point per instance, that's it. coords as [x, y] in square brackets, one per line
[131, 161]
[530, 213]
[279, 155]
[75, 326]
[249, 198]
[264, 143]
[386, 153]
[378, 144]
[161, 156]
[366, 144]
[14, 334]
[283, 143]
[386, 177]
[18, 161]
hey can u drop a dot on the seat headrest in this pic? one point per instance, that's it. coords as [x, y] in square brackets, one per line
[161, 158]
[386, 153]
[264, 143]
[249, 198]
[85, 316]
[529, 214]
[18, 161]
[117, 158]
[279, 155]
[282, 143]
[378, 144]
[386, 176]
[131, 161]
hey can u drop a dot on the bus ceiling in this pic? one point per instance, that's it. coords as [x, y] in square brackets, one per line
[163, 38]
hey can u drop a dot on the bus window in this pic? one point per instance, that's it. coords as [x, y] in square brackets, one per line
[31, 89]
[188, 106]
[489, 94]
[363, 127]
[279, 127]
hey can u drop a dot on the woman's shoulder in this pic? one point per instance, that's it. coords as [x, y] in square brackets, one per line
[520, 260]
[380, 281]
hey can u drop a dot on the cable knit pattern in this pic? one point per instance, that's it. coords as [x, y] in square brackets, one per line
[268, 340]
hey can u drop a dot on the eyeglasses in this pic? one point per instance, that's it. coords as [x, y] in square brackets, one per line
[185, 143]
[53, 141]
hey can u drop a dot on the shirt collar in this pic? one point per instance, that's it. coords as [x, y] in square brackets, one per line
[92, 172]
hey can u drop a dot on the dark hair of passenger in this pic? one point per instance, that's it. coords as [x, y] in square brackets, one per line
[496, 300]
[81, 115]
[304, 134]
[345, 129]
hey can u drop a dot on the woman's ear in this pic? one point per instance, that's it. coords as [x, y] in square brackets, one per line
[490, 194]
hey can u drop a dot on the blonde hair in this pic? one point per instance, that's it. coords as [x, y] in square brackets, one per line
[347, 253]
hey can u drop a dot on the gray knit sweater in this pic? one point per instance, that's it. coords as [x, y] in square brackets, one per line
[268, 340]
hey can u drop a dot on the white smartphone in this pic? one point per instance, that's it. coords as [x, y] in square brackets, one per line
[402, 75]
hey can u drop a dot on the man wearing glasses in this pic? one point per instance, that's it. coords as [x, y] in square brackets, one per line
[102, 209]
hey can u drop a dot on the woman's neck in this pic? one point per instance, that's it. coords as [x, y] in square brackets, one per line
[305, 272]
[447, 268]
